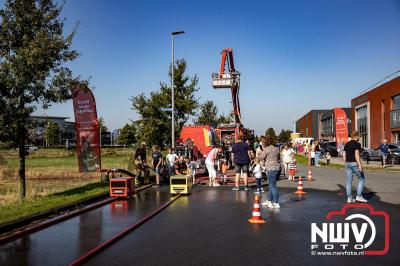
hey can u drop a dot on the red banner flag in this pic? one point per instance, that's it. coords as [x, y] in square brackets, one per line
[341, 129]
[87, 130]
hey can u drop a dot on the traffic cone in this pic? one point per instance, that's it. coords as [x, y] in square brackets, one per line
[309, 177]
[300, 187]
[256, 216]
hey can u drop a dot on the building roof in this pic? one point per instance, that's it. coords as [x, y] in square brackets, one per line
[313, 111]
[49, 117]
[330, 112]
[381, 82]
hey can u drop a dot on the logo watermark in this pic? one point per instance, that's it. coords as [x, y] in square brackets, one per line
[356, 229]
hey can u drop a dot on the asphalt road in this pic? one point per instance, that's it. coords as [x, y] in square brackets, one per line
[210, 227]
[62, 243]
[384, 185]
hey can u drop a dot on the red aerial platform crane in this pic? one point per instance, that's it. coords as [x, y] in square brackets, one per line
[229, 78]
[203, 137]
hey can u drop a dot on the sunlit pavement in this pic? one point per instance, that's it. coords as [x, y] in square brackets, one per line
[385, 186]
[210, 227]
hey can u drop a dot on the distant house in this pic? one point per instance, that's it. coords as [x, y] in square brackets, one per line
[115, 135]
[106, 138]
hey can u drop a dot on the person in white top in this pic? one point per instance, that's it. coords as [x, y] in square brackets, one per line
[171, 160]
[259, 151]
[286, 157]
[210, 163]
[311, 156]
[257, 171]
[292, 167]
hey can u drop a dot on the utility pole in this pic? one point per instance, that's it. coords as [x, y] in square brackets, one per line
[294, 124]
[173, 90]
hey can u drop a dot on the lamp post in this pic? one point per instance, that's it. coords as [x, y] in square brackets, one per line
[173, 89]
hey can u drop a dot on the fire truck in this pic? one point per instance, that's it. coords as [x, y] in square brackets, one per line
[195, 142]
[199, 140]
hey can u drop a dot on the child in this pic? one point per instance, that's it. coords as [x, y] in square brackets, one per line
[223, 169]
[312, 157]
[191, 169]
[252, 157]
[257, 171]
[292, 167]
[328, 157]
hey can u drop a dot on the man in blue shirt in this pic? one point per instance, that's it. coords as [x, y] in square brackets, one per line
[384, 150]
[241, 159]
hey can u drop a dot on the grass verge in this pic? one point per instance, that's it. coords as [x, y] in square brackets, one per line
[16, 210]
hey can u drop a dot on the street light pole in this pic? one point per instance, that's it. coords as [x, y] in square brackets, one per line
[173, 90]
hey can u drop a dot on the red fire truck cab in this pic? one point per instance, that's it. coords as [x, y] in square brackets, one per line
[195, 143]
[201, 139]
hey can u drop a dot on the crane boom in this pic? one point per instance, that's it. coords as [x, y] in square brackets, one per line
[226, 56]
[229, 78]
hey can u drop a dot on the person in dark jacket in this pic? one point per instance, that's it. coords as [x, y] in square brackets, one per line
[141, 163]
[240, 151]
[384, 151]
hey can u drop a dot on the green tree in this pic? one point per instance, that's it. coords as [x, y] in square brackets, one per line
[52, 134]
[127, 135]
[154, 125]
[208, 114]
[270, 131]
[225, 119]
[102, 127]
[33, 53]
[284, 136]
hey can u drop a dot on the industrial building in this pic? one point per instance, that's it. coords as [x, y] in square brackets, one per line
[37, 135]
[327, 126]
[308, 125]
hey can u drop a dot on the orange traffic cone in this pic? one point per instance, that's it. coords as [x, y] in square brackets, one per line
[309, 177]
[300, 187]
[256, 216]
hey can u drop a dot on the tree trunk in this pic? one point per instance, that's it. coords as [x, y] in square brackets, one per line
[21, 172]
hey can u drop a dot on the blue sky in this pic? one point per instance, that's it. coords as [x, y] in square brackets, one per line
[293, 55]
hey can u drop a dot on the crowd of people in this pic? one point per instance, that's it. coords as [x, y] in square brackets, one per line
[263, 160]
[312, 149]
[170, 165]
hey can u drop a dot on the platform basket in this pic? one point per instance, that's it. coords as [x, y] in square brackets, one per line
[227, 81]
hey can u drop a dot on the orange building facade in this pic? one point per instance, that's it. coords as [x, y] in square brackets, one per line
[376, 113]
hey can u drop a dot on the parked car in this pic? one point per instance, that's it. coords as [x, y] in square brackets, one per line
[375, 154]
[329, 146]
[371, 155]
[394, 157]
[30, 149]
